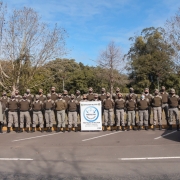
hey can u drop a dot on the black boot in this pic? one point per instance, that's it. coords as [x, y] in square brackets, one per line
[27, 130]
[16, 130]
[160, 127]
[47, 129]
[146, 128]
[140, 128]
[111, 128]
[169, 128]
[69, 130]
[21, 130]
[134, 128]
[128, 128]
[1, 128]
[58, 129]
[8, 129]
[42, 130]
[76, 129]
[105, 128]
[50, 129]
[117, 128]
[123, 128]
[154, 127]
[33, 129]
[177, 127]
[64, 129]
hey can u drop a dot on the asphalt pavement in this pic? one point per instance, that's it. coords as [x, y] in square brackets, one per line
[91, 155]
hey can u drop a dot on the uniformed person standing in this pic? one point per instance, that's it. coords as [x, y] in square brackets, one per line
[131, 107]
[119, 108]
[1, 116]
[115, 96]
[142, 105]
[17, 96]
[108, 105]
[72, 113]
[84, 98]
[165, 96]
[37, 107]
[96, 97]
[149, 96]
[60, 107]
[90, 95]
[12, 105]
[157, 109]
[131, 92]
[42, 97]
[49, 113]
[4, 100]
[102, 96]
[173, 102]
[78, 98]
[24, 107]
[29, 95]
[66, 98]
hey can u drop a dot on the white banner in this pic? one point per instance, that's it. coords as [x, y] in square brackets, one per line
[91, 116]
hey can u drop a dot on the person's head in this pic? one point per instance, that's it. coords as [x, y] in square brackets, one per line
[78, 92]
[131, 90]
[53, 89]
[146, 90]
[96, 96]
[12, 96]
[4, 93]
[65, 92]
[40, 91]
[16, 92]
[25, 96]
[72, 96]
[90, 89]
[37, 97]
[142, 96]
[117, 90]
[48, 96]
[108, 94]
[119, 95]
[172, 91]
[103, 90]
[60, 96]
[156, 92]
[28, 91]
[84, 96]
[163, 88]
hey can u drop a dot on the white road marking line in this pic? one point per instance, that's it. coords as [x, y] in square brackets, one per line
[148, 158]
[101, 136]
[15, 159]
[165, 135]
[35, 137]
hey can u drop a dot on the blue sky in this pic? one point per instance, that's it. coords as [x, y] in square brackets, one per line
[91, 25]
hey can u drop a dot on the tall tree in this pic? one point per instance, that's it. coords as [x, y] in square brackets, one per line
[111, 61]
[149, 59]
[27, 44]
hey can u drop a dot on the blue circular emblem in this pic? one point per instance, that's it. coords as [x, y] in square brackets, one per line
[91, 114]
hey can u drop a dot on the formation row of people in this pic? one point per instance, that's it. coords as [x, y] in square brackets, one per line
[39, 108]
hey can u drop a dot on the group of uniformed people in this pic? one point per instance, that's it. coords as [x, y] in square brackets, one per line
[40, 108]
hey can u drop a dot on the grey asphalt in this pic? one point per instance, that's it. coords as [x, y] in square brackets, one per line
[76, 156]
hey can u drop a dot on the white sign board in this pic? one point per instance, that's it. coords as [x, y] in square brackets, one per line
[91, 116]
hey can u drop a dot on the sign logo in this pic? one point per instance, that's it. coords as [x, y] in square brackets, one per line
[91, 114]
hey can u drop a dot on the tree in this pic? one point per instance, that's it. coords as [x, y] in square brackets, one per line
[150, 59]
[111, 61]
[27, 44]
[172, 30]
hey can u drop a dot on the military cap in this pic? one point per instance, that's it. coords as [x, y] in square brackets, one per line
[163, 87]
[37, 96]
[24, 95]
[40, 90]
[117, 89]
[48, 95]
[95, 95]
[72, 96]
[156, 90]
[59, 95]
[90, 89]
[17, 90]
[103, 89]
[53, 88]
[146, 89]
[84, 96]
[119, 94]
[131, 89]
[78, 91]
[4, 93]
[108, 94]
[172, 90]
[65, 91]
[12, 94]
[28, 90]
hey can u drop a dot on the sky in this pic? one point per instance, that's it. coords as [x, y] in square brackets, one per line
[91, 25]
